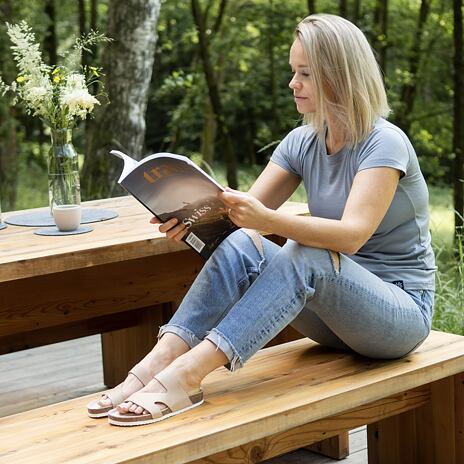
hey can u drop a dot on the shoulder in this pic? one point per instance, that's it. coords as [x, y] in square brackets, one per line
[299, 139]
[386, 135]
[301, 133]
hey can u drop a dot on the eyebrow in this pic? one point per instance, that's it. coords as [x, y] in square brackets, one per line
[300, 65]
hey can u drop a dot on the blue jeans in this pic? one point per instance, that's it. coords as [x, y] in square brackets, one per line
[246, 294]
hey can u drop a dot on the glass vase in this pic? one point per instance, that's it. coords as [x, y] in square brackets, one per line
[63, 170]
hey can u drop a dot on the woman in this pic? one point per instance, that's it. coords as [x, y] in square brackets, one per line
[357, 275]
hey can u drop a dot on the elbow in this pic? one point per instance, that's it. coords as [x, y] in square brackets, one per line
[349, 250]
[353, 245]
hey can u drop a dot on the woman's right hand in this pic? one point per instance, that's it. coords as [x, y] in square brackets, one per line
[171, 228]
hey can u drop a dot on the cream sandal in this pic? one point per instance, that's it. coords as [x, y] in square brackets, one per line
[174, 401]
[116, 395]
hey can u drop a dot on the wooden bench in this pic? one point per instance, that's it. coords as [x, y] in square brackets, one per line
[286, 395]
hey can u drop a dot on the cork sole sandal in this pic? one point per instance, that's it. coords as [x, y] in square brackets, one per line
[116, 395]
[173, 401]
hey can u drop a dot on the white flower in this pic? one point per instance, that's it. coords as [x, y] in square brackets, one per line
[79, 102]
[75, 81]
[59, 97]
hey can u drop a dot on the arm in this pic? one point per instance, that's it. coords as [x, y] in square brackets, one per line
[369, 199]
[274, 186]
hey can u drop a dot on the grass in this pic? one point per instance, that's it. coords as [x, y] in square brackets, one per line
[449, 300]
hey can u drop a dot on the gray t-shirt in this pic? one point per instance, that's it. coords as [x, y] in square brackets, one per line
[400, 249]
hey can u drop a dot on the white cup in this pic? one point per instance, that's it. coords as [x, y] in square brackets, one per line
[67, 217]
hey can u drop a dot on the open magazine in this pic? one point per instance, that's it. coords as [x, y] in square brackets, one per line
[173, 186]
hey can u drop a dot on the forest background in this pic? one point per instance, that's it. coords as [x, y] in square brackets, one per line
[209, 79]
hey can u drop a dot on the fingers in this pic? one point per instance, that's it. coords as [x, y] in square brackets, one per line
[155, 220]
[232, 197]
[173, 229]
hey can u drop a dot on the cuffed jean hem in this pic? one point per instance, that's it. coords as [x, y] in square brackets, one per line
[222, 343]
[187, 335]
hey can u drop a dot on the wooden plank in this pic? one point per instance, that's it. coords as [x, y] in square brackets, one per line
[76, 329]
[275, 445]
[337, 447]
[459, 416]
[122, 349]
[423, 436]
[129, 236]
[55, 300]
[279, 389]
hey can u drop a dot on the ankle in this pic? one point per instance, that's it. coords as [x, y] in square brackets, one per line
[190, 374]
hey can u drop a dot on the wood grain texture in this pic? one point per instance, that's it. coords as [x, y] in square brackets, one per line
[337, 447]
[279, 389]
[332, 427]
[426, 435]
[459, 416]
[122, 349]
[129, 236]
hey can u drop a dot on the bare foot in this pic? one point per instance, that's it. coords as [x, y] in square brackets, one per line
[153, 363]
[187, 381]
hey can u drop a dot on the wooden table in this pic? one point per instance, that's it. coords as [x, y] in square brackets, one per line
[121, 280]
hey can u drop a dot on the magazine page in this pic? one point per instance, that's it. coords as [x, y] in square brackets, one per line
[172, 187]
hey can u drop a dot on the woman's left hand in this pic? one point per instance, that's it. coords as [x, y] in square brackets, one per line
[245, 210]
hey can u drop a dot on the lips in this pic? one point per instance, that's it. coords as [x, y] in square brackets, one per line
[299, 98]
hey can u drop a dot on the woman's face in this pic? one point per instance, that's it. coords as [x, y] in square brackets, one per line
[302, 82]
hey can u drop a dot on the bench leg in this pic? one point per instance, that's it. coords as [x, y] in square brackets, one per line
[121, 349]
[337, 447]
[426, 435]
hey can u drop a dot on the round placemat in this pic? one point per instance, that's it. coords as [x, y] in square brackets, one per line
[2, 226]
[56, 231]
[45, 219]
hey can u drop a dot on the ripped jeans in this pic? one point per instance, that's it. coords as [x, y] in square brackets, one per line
[246, 294]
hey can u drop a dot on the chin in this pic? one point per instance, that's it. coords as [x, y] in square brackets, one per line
[305, 110]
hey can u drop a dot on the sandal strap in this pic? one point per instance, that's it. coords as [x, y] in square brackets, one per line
[174, 398]
[147, 401]
[177, 396]
[116, 396]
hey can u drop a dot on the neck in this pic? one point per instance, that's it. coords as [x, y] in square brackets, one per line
[335, 138]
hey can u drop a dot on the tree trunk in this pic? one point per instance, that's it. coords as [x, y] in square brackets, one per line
[409, 89]
[272, 74]
[356, 11]
[342, 8]
[8, 139]
[214, 96]
[458, 132]
[208, 135]
[83, 30]
[381, 32]
[50, 35]
[128, 65]
[312, 7]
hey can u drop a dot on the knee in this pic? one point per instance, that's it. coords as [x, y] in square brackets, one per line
[296, 251]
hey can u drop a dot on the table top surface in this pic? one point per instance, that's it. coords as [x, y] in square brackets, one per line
[24, 254]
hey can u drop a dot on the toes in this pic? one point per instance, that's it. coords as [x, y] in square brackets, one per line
[123, 407]
[105, 401]
[133, 407]
[138, 410]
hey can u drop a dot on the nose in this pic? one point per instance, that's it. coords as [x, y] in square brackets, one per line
[294, 84]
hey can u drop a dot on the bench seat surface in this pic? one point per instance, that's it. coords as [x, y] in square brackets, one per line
[280, 388]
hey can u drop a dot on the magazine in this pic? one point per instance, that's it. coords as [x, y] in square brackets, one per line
[173, 186]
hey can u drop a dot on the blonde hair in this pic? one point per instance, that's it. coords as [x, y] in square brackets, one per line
[348, 81]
